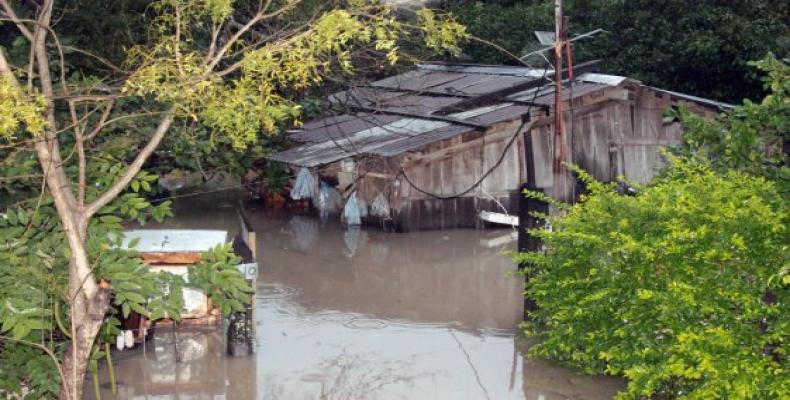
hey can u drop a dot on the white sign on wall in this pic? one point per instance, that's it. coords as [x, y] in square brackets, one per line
[249, 270]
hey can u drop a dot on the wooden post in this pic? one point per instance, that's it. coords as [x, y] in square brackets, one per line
[527, 242]
[561, 186]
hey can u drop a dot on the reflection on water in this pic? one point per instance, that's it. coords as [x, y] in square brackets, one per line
[359, 314]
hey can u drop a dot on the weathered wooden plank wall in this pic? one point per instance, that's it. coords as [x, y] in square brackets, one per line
[455, 167]
[615, 132]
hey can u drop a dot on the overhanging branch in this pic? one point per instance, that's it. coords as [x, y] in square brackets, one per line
[133, 168]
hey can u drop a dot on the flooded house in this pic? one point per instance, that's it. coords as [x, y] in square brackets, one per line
[176, 251]
[444, 142]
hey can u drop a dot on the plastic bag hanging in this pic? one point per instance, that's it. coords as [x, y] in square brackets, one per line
[351, 211]
[304, 188]
[329, 199]
[380, 207]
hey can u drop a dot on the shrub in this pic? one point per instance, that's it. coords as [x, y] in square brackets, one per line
[682, 288]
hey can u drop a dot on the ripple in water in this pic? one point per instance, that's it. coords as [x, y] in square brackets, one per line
[333, 316]
[271, 291]
[366, 323]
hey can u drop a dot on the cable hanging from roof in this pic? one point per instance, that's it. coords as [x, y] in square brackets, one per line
[502, 155]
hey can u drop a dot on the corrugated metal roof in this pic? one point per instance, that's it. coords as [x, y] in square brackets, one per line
[402, 135]
[460, 83]
[387, 100]
[404, 104]
[417, 81]
[334, 128]
[545, 94]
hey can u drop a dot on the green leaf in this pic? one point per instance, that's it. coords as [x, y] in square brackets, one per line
[135, 297]
[21, 330]
[110, 219]
[22, 216]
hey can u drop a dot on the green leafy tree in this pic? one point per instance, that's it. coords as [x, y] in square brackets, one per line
[74, 142]
[682, 288]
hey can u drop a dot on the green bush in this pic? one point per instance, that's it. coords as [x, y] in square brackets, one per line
[681, 288]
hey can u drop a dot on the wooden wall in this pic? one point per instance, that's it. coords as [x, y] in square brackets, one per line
[452, 168]
[615, 132]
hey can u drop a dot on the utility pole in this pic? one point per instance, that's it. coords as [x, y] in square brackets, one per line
[559, 170]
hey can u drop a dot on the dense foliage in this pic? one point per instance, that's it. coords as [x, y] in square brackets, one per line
[753, 137]
[34, 286]
[701, 48]
[679, 288]
[186, 83]
[683, 288]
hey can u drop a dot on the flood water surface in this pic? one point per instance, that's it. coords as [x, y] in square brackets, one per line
[359, 314]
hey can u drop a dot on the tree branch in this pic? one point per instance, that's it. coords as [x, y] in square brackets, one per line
[133, 168]
[80, 145]
[18, 22]
[102, 121]
[260, 16]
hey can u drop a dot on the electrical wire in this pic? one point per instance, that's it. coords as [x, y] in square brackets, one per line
[504, 152]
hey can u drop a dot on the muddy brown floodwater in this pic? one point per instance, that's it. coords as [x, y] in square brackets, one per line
[358, 314]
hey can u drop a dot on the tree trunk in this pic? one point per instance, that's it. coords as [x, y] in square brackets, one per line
[87, 320]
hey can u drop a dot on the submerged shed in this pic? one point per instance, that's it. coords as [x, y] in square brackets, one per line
[445, 142]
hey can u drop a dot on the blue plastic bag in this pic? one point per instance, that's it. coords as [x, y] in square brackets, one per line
[304, 188]
[351, 211]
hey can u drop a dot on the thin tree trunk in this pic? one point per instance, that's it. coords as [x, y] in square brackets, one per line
[88, 320]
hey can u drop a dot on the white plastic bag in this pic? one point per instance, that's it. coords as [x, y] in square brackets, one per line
[380, 207]
[329, 200]
[128, 338]
[304, 188]
[351, 211]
